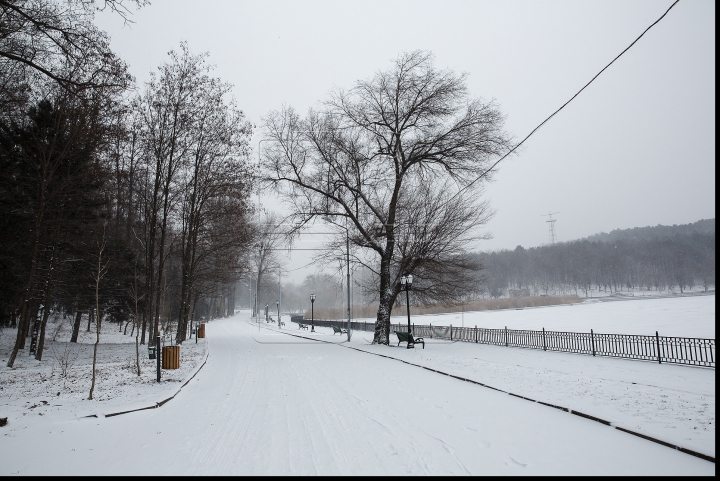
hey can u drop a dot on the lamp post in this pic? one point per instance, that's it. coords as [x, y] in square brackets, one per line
[267, 312]
[312, 311]
[278, 309]
[406, 283]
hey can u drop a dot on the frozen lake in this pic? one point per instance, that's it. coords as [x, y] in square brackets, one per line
[680, 317]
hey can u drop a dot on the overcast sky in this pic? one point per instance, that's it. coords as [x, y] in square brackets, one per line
[636, 148]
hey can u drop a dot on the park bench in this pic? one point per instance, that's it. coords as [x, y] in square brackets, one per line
[337, 330]
[282, 323]
[407, 337]
[302, 326]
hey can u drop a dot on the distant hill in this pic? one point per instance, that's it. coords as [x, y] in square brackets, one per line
[704, 226]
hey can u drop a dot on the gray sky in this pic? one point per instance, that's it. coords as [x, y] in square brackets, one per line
[636, 148]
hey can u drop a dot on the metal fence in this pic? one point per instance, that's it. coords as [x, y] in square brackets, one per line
[677, 350]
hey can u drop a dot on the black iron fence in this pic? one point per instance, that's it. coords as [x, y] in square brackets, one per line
[677, 350]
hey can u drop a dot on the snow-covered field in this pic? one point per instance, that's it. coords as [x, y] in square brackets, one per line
[270, 403]
[675, 316]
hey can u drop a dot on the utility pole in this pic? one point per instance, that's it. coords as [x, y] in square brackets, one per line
[279, 297]
[347, 260]
[551, 221]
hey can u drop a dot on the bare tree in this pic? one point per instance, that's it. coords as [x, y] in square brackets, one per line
[397, 158]
[168, 109]
[265, 254]
[97, 274]
[214, 189]
[136, 296]
[58, 40]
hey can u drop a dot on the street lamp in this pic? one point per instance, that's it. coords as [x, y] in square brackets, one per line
[267, 312]
[312, 311]
[278, 309]
[406, 283]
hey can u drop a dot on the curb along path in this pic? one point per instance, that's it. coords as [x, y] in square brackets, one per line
[571, 411]
[161, 403]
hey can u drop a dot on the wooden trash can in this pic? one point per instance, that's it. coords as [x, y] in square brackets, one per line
[201, 331]
[171, 357]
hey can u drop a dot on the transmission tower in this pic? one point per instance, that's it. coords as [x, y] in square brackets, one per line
[551, 221]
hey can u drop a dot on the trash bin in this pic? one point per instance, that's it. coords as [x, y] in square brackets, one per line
[201, 331]
[171, 357]
[151, 352]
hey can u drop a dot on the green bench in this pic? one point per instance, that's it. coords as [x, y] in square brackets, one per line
[407, 337]
[337, 330]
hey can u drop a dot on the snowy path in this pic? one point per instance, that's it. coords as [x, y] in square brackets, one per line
[268, 403]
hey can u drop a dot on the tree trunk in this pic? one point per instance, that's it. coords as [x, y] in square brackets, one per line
[19, 341]
[184, 302]
[41, 340]
[231, 301]
[98, 275]
[144, 327]
[388, 293]
[34, 307]
[95, 349]
[47, 302]
[137, 345]
[76, 326]
[24, 311]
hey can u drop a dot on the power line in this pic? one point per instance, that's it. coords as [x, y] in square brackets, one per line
[495, 164]
[484, 174]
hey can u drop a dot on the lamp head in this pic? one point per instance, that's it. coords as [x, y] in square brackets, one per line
[409, 278]
[312, 297]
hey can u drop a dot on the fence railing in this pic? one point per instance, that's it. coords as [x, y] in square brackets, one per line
[676, 350]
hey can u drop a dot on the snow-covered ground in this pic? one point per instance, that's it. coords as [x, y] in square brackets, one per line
[270, 403]
[676, 316]
[36, 388]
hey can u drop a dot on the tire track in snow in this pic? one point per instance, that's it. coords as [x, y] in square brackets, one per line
[234, 430]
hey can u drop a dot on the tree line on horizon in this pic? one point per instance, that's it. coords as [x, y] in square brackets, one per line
[660, 258]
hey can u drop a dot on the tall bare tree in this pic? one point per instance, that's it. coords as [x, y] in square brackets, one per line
[397, 159]
[168, 108]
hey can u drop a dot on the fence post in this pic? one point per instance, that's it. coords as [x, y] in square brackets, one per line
[657, 340]
[544, 347]
[506, 337]
[431, 331]
[475, 333]
[451, 332]
[592, 340]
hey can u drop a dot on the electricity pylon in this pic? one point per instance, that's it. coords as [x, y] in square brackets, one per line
[551, 221]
